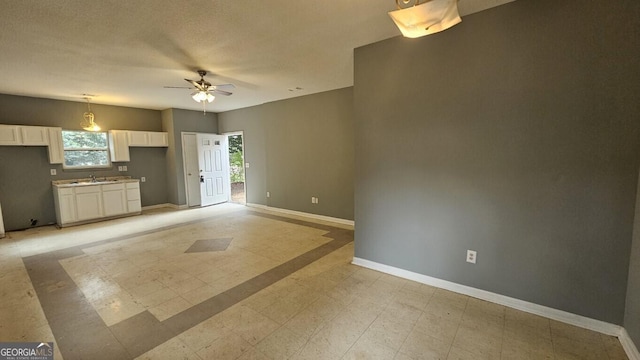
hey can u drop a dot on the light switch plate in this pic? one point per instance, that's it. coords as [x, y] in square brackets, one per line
[143, 179]
[53, 172]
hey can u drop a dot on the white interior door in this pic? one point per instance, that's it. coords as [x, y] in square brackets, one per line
[191, 168]
[213, 159]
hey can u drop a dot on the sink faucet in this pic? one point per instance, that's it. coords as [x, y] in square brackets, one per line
[93, 178]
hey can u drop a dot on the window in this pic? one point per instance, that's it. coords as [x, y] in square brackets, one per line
[83, 149]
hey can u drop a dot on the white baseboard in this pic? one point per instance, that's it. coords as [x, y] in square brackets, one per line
[303, 214]
[551, 313]
[165, 205]
[628, 345]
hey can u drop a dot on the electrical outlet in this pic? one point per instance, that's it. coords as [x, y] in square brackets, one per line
[124, 168]
[119, 168]
[246, 165]
[268, 194]
[471, 256]
[53, 172]
[143, 179]
[313, 200]
[317, 200]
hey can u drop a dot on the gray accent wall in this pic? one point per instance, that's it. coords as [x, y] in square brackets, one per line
[297, 149]
[25, 180]
[175, 122]
[515, 134]
[248, 120]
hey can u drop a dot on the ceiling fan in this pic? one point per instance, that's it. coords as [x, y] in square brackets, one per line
[204, 90]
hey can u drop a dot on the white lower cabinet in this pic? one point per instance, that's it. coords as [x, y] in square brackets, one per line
[133, 197]
[114, 199]
[89, 202]
[65, 200]
[79, 204]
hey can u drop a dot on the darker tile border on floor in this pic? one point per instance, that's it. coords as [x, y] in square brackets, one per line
[80, 332]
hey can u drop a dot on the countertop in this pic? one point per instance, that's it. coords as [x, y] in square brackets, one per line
[89, 182]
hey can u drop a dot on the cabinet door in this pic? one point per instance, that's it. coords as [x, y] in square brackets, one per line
[88, 202]
[119, 145]
[67, 208]
[159, 139]
[138, 138]
[114, 199]
[133, 197]
[34, 135]
[56, 151]
[10, 135]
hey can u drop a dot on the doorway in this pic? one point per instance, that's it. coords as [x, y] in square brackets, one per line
[206, 169]
[237, 176]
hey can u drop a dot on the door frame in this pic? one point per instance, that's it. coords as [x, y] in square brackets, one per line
[244, 162]
[184, 162]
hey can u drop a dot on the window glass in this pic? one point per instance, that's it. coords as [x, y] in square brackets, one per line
[84, 149]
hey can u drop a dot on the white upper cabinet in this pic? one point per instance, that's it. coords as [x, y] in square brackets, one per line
[121, 140]
[119, 145]
[138, 138]
[24, 135]
[19, 135]
[159, 139]
[34, 135]
[10, 135]
[56, 150]
[148, 139]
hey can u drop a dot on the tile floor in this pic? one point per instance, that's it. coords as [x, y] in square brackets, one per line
[281, 289]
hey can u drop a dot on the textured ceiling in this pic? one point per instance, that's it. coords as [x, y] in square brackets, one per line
[125, 52]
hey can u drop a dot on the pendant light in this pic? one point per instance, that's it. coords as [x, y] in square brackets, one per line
[425, 17]
[88, 118]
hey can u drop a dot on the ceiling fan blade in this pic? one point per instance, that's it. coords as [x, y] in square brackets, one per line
[196, 84]
[221, 92]
[177, 87]
[224, 87]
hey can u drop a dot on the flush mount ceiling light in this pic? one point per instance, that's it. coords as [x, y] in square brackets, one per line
[88, 118]
[417, 18]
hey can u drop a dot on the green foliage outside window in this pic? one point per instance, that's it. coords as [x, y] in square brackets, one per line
[83, 149]
[235, 167]
[236, 160]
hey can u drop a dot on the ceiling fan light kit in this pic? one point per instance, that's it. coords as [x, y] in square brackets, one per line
[204, 90]
[202, 96]
[425, 18]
